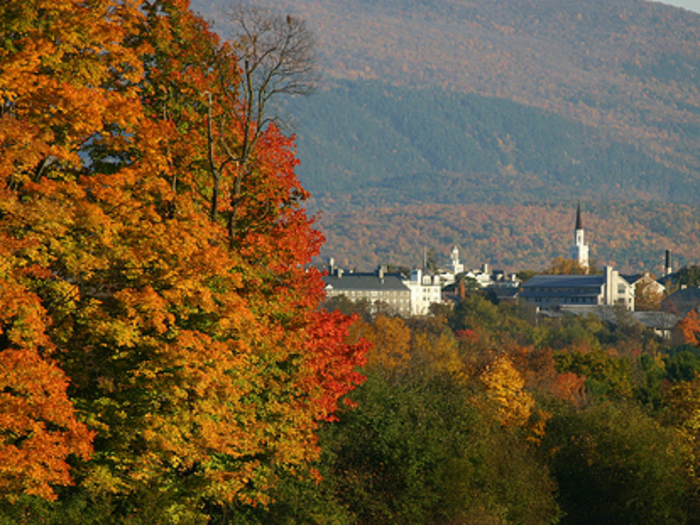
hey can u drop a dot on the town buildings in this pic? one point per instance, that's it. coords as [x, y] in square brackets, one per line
[414, 293]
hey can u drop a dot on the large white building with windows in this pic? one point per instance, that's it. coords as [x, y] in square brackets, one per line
[404, 296]
[569, 291]
[376, 288]
[425, 290]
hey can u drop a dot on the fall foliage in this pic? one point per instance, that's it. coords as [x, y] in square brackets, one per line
[167, 339]
[163, 358]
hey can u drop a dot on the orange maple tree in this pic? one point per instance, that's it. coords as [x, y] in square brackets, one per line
[690, 328]
[195, 350]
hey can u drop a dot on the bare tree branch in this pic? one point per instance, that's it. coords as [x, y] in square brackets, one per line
[276, 56]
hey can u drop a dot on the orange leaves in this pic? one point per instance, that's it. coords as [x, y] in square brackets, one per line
[690, 328]
[569, 387]
[38, 425]
[194, 350]
[65, 77]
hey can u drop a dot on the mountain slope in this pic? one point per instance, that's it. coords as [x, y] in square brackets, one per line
[413, 145]
[454, 103]
[628, 66]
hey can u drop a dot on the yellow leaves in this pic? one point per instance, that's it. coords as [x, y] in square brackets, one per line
[684, 400]
[437, 353]
[390, 338]
[101, 481]
[505, 385]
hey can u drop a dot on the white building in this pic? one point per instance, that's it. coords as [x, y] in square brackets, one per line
[579, 291]
[457, 267]
[376, 288]
[482, 276]
[425, 290]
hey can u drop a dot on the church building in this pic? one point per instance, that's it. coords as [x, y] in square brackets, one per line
[579, 249]
[579, 291]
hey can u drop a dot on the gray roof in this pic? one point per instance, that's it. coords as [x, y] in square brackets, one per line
[633, 278]
[657, 320]
[364, 282]
[555, 286]
[564, 281]
[682, 301]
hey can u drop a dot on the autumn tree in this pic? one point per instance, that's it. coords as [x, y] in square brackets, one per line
[199, 359]
[647, 296]
[690, 328]
[269, 54]
[63, 74]
[563, 266]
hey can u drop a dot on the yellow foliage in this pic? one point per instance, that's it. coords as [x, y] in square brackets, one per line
[391, 339]
[504, 385]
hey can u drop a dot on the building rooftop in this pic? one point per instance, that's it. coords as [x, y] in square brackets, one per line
[364, 281]
[564, 281]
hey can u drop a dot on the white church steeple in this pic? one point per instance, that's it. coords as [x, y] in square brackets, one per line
[579, 250]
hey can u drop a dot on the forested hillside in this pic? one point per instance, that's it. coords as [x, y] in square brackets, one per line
[537, 102]
[630, 236]
[432, 146]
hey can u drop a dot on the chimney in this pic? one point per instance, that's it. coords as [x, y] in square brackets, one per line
[667, 267]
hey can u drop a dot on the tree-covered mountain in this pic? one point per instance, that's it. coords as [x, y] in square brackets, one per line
[509, 101]
[425, 145]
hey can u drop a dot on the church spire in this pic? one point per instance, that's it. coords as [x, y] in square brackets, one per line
[578, 217]
[579, 249]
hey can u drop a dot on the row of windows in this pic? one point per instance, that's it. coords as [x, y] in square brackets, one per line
[568, 290]
[566, 300]
[371, 293]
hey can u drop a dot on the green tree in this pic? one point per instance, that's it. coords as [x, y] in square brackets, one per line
[430, 452]
[614, 464]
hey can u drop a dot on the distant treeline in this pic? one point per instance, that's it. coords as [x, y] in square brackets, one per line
[631, 236]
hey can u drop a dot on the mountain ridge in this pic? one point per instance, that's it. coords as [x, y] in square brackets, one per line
[622, 73]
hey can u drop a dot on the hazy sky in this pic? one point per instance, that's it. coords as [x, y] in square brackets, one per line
[693, 5]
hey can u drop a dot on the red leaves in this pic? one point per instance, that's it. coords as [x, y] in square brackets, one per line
[332, 361]
[190, 345]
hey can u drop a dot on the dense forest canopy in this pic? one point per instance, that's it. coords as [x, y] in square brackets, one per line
[161, 345]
